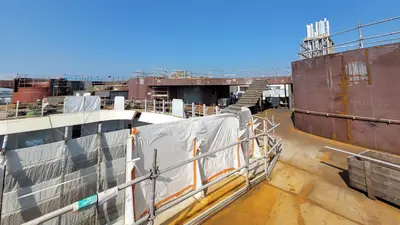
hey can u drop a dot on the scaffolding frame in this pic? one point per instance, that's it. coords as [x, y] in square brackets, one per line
[272, 150]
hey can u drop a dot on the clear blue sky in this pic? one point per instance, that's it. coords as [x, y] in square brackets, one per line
[119, 37]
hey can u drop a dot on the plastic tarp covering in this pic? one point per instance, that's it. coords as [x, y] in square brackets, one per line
[119, 103]
[175, 142]
[178, 108]
[34, 184]
[81, 104]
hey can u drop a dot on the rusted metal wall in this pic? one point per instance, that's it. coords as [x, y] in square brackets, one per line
[140, 87]
[6, 83]
[30, 94]
[363, 83]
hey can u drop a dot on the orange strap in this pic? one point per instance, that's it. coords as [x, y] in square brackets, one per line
[217, 174]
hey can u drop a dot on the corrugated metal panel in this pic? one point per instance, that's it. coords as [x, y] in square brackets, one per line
[362, 83]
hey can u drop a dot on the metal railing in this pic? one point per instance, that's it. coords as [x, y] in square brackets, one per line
[102, 197]
[360, 42]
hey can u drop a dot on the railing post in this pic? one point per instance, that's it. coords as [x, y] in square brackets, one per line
[63, 163]
[265, 143]
[273, 130]
[193, 110]
[129, 214]
[163, 106]
[42, 108]
[154, 106]
[16, 109]
[6, 110]
[246, 156]
[4, 145]
[145, 104]
[360, 35]
[204, 109]
[98, 164]
[154, 174]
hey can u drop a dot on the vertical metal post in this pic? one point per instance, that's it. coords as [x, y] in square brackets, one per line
[290, 97]
[154, 172]
[273, 130]
[246, 156]
[163, 106]
[204, 109]
[154, 106]
[6, 110]
[16, 109]
[98, 164]
[4, 145]
[216, 109]
[265, 143]
[42, 108]
[360, 35]
[193, 110]
[63, 163]
[145, 105]
[128, 217]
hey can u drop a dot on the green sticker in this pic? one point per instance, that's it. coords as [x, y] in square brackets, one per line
[83, 203]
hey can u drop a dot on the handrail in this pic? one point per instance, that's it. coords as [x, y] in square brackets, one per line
[308, 53]
[113, 192]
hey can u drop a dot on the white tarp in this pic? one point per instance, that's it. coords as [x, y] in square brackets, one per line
[178, 108]
[34, 184]
[119, 103]
[175, 142]
[81, 104]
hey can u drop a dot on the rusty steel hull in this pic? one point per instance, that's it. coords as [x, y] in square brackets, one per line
[30, 94]
[363, 85]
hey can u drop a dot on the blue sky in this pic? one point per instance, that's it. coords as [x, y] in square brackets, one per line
[119, 37]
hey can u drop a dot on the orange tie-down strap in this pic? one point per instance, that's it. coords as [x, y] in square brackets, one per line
[217, 174]
[183, 190]
[177, 194]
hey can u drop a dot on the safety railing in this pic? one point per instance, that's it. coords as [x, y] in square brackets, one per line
[360, 42]
[270, 157]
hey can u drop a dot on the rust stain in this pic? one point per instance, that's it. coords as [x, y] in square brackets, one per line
[301, 198]
[325, 157]
[334, 135]
[368, 66]
[329, 76]
[345, 98]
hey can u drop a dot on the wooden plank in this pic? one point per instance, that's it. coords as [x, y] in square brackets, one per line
[356, 171]
[387, 181]
[370, 190]
[387, 197]
[384, 157]
[358, 179]
[354, 162]
[386, 172]
[358, 186]
[385, 189]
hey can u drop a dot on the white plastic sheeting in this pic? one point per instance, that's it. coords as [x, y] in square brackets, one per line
[176, 142]
[119, 103]
[178, 108]
[34, 184]
[81, 104]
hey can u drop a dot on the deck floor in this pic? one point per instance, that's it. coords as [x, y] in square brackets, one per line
[308, 186]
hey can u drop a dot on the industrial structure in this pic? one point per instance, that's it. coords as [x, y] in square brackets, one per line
[318, 41]
[199, 90]
[351, 96]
